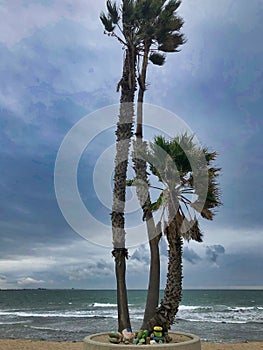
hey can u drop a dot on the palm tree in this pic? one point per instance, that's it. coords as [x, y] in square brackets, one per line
[147, 29]
[157, 32]
[189, 188]
[160, 26]
[124, 132]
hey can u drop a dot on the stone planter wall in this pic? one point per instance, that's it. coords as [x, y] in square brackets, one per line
[99, 342]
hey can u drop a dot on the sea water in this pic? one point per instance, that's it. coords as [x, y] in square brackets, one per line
[70, 315]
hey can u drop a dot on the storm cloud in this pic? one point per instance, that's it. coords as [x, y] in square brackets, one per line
[57, 67]
[191, 256]
[213, 252]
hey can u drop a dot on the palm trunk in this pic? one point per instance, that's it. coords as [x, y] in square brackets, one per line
[154, 234]
[142, 88]
[124, 133]
[169, 306]
[173, 289]
[120, 256]
[143, 194]
[152, 300]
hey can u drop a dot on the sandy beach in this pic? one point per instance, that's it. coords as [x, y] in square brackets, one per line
[10, 344]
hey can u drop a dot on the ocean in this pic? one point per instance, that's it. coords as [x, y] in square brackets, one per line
[70, 315]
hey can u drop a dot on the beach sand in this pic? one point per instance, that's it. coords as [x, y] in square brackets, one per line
[10, 344]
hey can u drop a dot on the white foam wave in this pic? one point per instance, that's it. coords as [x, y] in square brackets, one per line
[104, 305]
[220, 314]
[74, 314]
[15, 322]
[242, 308]
[193, 307]
[188, 307]
[192, 313]
[44, 328]
[215, 321]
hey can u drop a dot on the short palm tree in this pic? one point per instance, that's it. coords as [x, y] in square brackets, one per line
[189, 188]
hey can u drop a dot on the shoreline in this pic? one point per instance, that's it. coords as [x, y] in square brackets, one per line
[14, 344]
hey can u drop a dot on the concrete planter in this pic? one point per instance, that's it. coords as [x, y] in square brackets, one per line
[185, 341]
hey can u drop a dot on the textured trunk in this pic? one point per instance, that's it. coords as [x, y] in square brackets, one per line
[120, 256]
[142, 88]
[173, 290]
[154, 235]
[124, 133]
[168, 308]
[152, 300]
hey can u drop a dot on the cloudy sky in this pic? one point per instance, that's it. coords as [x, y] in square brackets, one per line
[58, 67]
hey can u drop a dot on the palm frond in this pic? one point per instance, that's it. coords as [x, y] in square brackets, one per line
[172, 6]
[107, 22]
[128, 15]
[171, 43]
[158, 204]
[197, 176]
[113, 11]
[175, 24]
[157, 59]
[130, 183]
[191, 230]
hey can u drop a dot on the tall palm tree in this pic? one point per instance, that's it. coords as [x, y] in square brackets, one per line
[147, 29]
[112, 21]
[189, 188]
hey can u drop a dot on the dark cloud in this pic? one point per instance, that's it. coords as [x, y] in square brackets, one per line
[191, 256]
[242, 269]
[30, 139]
[235, 270]
[40, 100]
[141, 254]
[212, 252]
[52, 78]
[99, 269]
[225, 93]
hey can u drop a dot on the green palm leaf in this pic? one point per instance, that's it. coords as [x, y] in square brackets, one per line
[171, 43]
[184, 154]
[113, 11]
[157, 59]
[158, 204]
[107, 22]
